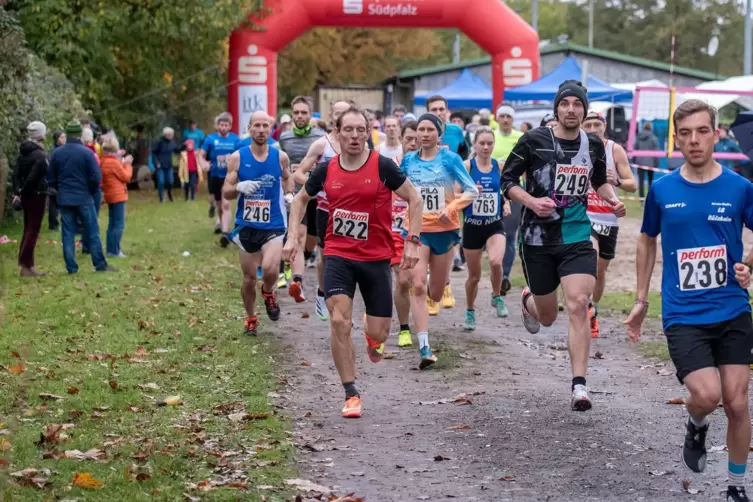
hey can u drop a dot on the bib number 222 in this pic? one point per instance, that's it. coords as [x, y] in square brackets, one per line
[350, 224]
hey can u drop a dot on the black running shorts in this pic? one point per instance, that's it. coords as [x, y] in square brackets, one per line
[543, 266]
[252, 240]
[322, 220]
[475, 236]
[606, 236]
[215, 187]
[309, 219]
[373, 278]
[693, 347]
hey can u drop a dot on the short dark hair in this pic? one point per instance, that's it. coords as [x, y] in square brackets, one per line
[411, 125]
[353, 110]
[399, 108]
[435, 98]
[457, 115]
[691, 107]
[483, 121]
[530, 126]
[301, 99]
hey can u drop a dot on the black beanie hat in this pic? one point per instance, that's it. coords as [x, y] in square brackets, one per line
[571, 88]
[433, 119]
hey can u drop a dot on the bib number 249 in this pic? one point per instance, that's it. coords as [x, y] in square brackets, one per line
[571, 180]
[350, 224]
[702, 268]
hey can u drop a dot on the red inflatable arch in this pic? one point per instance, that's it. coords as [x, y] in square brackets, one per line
[252, 77]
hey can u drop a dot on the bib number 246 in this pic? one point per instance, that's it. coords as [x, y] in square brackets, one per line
[702, 268]
[350, 224]
[256, 211]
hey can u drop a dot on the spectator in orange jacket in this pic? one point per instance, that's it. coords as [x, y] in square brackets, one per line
[115, 178]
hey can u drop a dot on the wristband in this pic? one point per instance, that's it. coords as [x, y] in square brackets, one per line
[640, 302]
[415, 239]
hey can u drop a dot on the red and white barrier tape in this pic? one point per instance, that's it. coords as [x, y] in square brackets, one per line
[646, 168]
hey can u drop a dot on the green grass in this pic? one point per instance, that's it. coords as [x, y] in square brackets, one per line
[655, 349]
[166, 319]
[622, 303]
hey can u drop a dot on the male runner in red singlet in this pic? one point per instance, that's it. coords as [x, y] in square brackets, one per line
[359, 244]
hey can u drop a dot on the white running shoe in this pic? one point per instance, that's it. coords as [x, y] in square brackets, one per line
[531, 324]
[580, 400]
[321, 308]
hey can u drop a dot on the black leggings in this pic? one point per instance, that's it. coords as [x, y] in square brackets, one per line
[641, 174]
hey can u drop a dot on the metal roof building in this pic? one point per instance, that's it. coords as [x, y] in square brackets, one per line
[609, 66]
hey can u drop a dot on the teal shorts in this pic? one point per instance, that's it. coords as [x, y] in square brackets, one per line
[440, 243]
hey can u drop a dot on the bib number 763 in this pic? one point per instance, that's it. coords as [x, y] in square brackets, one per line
[702, 268]
[350, 224]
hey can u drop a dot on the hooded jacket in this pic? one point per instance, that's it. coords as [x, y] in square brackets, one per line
[646, 140]
[163, 153]
[30, 177]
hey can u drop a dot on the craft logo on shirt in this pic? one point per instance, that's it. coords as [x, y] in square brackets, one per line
[674, 205]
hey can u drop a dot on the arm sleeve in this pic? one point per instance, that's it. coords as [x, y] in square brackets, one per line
[206, 146]
[315, 182]
[599, 161]
[391, 175]
[516, 164]
[652, 215]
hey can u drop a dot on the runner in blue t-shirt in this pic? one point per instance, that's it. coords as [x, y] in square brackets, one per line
[216, 150]
[700, 210]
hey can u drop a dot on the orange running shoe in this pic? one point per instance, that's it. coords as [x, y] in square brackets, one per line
[251, 324]
[374, 350]
[295, 290]
[352, 408]
[595, 330]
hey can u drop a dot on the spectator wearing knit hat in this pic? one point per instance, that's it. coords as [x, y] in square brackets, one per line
[31, 189]
[76, 176]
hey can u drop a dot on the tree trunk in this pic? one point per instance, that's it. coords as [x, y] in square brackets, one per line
[3, 183]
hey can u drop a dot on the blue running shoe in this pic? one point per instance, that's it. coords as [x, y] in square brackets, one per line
[427, 358]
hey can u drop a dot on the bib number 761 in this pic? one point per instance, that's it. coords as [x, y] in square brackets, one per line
[702, 268]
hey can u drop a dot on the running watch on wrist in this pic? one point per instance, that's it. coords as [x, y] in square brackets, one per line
[414, 239]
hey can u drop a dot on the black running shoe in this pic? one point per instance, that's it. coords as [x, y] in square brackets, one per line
[270, 302]
[694, 449]
[211, 211]
[736, 494]
[506, 286]
[250, 325]
[224, 241]
[218, 229]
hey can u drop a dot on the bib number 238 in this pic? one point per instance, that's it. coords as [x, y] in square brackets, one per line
[350, 224]
[434, 200]
[571, 180]
[702, 268]
[256, 211]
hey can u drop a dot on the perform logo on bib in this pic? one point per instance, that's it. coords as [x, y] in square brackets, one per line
[392, 8]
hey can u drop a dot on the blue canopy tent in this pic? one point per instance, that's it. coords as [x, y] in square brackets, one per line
[467, 91]
[545, 88]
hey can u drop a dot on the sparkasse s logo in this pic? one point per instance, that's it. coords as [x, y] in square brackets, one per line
[516, 70]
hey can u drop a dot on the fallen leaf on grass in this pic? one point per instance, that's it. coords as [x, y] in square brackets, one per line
[676, 400]
[440, 458]
[100, 357]
[150, 385]
[141, 351]
[5, 445]
[665, 372]
[598, 355]
[17, 369]
[460, 426]
[15, 355]
[85, 480]
[52, 434]
[142, 476]
[307, 486]
[170, 401]
[72, 390]
[206, 348]
[93, 454]
[305, 315]
[32, 477]
[141, 456]
[507, 478]
[305, 363]
[113, 384]
[49, 397]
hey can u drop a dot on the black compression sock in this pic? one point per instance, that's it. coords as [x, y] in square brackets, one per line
[319, 292]
[578, 381]
[404, 327]
[298, 278]
[350, 389]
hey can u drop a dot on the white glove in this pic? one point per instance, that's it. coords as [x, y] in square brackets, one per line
[289, 198]
[248, 187]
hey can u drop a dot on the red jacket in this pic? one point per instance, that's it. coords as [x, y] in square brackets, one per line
[115, 178]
